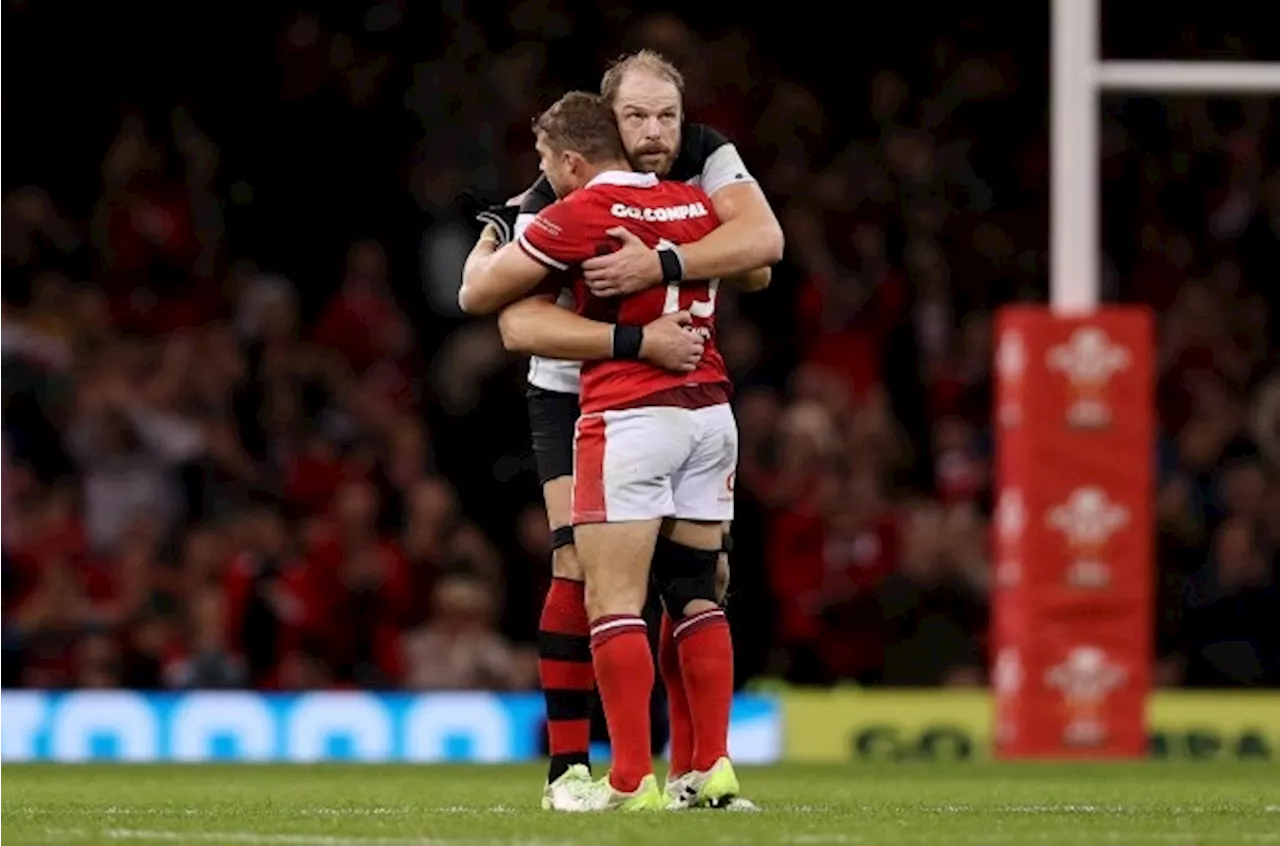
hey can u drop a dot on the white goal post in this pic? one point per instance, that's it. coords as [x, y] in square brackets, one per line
[1079, 78]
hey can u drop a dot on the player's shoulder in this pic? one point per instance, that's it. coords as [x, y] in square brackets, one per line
[578, 215]
[675, 190]
[697, 143]
[588, 199]
[573, 204]
[658, 193]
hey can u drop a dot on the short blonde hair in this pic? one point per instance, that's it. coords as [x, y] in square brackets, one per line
[583, 123]
[648, 61]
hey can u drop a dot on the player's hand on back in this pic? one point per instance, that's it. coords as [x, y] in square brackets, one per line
[631, 268]
[669, 343]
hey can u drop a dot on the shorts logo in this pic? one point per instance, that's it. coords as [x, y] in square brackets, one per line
[727, 495]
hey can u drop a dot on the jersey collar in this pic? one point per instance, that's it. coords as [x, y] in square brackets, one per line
[624, 177]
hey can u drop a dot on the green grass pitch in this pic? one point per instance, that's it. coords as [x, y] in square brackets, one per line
[1129, 803]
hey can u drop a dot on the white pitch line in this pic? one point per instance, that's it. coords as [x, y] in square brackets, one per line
[990, 838]
[802, 809]
[1118, 810]
[467, 809]
[375, 811]
[354, 812]
[250, 837]
[256, 838]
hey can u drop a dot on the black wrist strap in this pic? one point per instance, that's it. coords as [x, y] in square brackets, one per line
[627, 341]
[672, 264]
[562, 536]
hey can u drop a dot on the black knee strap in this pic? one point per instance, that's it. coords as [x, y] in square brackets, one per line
[683, 574]
[562, 536]
[726, 543]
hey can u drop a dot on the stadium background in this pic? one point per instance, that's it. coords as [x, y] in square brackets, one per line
[250, 442]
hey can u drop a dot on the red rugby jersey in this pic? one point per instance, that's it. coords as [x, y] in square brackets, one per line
[567, 233]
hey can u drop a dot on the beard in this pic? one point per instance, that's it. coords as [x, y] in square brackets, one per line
[653, 159]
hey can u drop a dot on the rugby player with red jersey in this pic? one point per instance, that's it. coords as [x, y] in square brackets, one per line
[568, 233]
[655, 452]
[645, 92]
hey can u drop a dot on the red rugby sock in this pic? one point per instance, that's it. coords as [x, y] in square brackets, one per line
[624, 675]
[677, 700]
[706, 661]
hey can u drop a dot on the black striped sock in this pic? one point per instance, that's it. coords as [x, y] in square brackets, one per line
[567, 676]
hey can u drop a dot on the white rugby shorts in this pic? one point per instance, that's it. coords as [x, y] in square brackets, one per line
[655, 461]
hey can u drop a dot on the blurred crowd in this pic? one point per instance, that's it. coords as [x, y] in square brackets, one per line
[248, 447]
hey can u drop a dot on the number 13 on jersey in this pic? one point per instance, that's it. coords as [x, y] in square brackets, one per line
[705, 309]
